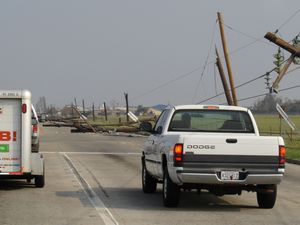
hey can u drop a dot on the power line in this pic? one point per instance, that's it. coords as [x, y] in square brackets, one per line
[256, 96]
[247, 35]
[213, 61]
[206, 60]
[288, 20]
[168, 82]
[238, 86]
[189, 73]
[289, 88]
[261, 76]
[260, 95]
[247, 82]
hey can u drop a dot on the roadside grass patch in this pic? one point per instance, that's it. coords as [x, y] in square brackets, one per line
[269, 125]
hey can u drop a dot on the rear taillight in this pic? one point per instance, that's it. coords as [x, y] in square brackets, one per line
[282, 151]
[35, 128]
[178, 152]
[24, 108]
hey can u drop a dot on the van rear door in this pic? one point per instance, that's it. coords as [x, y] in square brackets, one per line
[10, 135]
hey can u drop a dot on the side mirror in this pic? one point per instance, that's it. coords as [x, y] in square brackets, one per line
[146, 126]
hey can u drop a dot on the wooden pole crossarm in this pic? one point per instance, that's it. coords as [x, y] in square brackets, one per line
[283, 44]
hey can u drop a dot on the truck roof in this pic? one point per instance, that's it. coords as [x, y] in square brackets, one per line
[221, 107]
[24, 94]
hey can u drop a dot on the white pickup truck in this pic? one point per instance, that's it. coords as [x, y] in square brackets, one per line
[217, 148]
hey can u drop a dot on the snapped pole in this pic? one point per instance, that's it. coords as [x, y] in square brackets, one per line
[282, 72]
[294, 50]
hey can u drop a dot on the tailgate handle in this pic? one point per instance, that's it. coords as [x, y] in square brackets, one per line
[231, 141]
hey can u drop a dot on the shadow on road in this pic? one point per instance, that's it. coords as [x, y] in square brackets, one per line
[8, 185]
[75, 194]
[135, 199]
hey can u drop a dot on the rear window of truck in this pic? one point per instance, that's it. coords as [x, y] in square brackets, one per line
[204, 120]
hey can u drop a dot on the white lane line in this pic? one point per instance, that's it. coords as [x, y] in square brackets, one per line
[95, 153]
[98, 204]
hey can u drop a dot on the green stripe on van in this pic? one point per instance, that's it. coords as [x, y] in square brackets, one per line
[4, 148]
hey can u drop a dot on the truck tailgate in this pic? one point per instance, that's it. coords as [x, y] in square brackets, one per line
[10, 135]
[231, 149]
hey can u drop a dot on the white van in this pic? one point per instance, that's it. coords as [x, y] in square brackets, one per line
[17, 161]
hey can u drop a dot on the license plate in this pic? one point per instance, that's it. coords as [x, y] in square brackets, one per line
[230, 175]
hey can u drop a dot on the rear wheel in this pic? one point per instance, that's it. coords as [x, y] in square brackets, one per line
[149, 183]
[39, 180]
[171, 191]
[266, 196]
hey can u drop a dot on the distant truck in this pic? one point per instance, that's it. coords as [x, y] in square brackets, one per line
[217, 148]
[17, 159]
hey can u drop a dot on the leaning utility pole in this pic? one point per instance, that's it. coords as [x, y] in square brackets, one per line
[85, 120]
[127, 107]
[223, 78]
[227, 58]
[294, 50]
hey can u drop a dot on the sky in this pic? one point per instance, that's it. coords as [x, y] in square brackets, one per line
[154, 50]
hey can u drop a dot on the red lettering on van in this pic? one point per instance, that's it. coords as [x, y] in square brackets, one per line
[6, 136]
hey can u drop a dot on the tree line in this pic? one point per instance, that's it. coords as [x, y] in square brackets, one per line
[267, 105]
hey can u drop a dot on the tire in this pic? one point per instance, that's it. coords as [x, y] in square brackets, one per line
[267, 198]
[171, 191]
[39, 180]
[149, 183]
[35, 147]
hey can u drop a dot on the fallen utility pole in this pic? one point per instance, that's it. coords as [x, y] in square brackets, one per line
[294, 50]
[85, 120]
[223, 79]
[227, 58]
[282, 73]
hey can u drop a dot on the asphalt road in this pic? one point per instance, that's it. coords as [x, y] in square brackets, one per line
[96, 179]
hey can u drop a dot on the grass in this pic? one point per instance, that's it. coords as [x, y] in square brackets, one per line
[270, 125]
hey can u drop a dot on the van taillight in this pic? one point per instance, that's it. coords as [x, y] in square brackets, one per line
[282, 151]
[35, 128]
[24, 108]
[178, 152]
